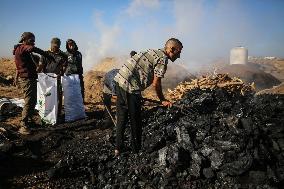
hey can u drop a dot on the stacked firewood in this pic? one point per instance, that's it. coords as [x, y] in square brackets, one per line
[211, 82]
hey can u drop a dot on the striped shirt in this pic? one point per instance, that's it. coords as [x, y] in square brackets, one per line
[138, 72]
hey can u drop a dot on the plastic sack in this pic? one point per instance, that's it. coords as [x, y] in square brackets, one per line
[73, 101]
[47, 97]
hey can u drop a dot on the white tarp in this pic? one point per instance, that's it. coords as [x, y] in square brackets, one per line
[9, 105]
[17, 101]
[47, 97]
[73, 102]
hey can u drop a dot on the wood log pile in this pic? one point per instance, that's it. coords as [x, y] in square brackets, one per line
[211, 82]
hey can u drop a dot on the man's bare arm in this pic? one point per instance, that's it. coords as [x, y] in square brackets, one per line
[40, 67]
[157, 84]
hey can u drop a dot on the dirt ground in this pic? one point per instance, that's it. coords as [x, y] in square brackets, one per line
[7, 74]
[36, 159]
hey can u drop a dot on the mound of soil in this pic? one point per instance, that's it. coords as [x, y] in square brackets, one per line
[250, 73]
[279, 89]
[274, 66]
[7, 67]
[93, 82]
[108, 64]
[7, 74]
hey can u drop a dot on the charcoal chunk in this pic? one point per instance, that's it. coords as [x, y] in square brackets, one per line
[239, 166]
[216, 159]
[208, 173]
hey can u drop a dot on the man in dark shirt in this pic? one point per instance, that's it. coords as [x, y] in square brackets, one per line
[74, 65]
[56, 66]
[59, 65]
[26, 70]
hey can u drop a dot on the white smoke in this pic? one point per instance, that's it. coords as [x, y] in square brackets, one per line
[137, 7]
[210, 32]
[115, 40]
[102, 44]
[207, 30]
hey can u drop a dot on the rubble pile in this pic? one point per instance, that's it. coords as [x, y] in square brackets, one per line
[210, 138]
[211, 82]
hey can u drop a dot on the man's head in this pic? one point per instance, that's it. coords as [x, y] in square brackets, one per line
[71, 45]
[27, 38]
[132, 53]
[173, 49]
[55, 44]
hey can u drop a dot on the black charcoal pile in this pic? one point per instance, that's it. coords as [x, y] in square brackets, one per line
[208, 139]
[213, 139]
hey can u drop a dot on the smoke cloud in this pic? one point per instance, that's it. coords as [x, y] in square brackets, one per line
[207, 30]
[136, 7]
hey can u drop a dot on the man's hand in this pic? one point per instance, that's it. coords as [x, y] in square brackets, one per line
[167, 103]
[58, 76]
[15, 83]
[40, 67]
[50, 57]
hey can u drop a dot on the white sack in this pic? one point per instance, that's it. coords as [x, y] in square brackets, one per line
[73, 101]
[47, 97]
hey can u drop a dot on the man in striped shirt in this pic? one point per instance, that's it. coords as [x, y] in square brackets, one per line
[138, 73]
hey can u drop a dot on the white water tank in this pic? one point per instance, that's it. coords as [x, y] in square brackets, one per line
[239, 55]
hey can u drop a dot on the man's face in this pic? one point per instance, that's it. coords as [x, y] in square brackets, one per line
[30, 41]
[175, 52]
[55, 46]
[71, 46]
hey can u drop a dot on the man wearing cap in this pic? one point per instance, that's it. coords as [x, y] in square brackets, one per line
[138, 73]
[57, 66]
[26, 71]
[74, 65]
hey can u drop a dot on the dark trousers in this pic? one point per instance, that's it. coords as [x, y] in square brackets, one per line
[82, 86]
[128, 104]
[29, 89]
[107, 103]
[108, 121]
[107, 100]
[59, 98]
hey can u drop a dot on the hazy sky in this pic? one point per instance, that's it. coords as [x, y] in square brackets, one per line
[207, 28]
